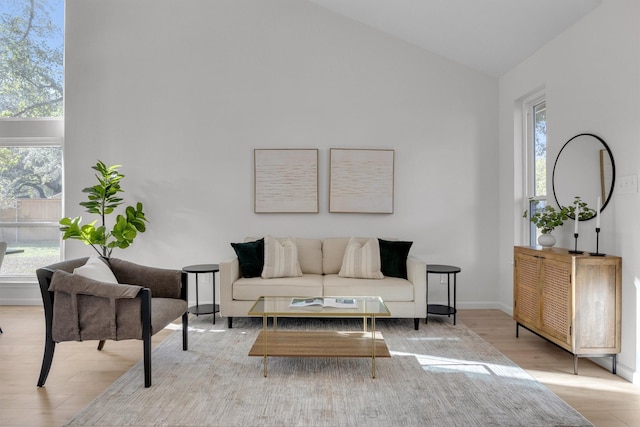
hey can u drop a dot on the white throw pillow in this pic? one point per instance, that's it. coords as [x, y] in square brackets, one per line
[280, 258]
[96, 269]
[362, 259]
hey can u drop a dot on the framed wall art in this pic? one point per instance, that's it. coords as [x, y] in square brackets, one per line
[286, 180]
[361, 181]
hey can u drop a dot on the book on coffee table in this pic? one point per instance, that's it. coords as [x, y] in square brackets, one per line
[324, 302]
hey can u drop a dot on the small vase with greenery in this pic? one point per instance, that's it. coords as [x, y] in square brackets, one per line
[103, 200]
[548, 218]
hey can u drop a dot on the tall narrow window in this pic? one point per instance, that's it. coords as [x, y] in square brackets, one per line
[536, 127]
[540, 149]
[31, 133]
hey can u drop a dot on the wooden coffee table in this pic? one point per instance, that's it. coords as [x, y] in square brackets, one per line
[365, 343]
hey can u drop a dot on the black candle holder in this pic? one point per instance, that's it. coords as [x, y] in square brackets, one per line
[575, 250]
[597, 252]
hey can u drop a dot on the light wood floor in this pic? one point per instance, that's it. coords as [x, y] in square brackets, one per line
[80, 372]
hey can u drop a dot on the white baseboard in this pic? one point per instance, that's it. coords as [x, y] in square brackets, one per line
[20, 293]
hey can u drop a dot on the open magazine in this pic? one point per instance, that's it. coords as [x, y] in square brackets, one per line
[324, 302]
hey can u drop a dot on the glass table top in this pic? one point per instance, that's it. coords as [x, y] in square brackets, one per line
[312, 306]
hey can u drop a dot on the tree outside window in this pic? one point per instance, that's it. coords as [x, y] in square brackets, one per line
[31, 58]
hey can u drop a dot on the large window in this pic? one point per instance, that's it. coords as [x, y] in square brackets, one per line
[30, 205]
[31, 130]
[536, 138]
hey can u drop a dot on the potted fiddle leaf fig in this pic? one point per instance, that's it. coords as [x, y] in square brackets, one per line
[104, 198]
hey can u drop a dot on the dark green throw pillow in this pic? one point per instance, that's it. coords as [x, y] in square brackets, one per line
[393, 257]
[250, 257]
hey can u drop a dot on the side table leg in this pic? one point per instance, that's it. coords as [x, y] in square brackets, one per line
[373, 343]
[426, 319]
[455, 310]
[264, 342]
[213, 305]
[197, 300]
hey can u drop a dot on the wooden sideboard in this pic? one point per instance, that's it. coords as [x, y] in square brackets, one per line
[571, 300]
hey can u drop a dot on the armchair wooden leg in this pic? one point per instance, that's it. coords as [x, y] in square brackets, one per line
[147, 360]
[229, 322]
[101, 345]
[145, 311]
[185, 328]
[416, 323]
[47, 359]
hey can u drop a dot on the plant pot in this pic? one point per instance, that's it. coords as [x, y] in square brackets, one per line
[546, 240]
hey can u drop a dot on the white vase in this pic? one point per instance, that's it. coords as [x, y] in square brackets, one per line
[546, 240]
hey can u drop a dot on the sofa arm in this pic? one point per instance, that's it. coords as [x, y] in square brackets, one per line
[417, 274]
[229, 273]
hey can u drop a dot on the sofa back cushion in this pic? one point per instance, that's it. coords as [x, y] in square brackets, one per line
[309, 255]
[332, 254]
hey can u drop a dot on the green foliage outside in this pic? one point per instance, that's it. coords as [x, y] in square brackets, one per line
[29, 173]
[540, 149]
[31, 60]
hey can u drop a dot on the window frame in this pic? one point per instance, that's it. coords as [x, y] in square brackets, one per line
[529, 178]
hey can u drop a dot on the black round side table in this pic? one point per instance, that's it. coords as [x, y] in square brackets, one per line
[441, 309]
[205, 308]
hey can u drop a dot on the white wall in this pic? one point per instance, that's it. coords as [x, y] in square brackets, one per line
[180, 93]
[591, 77]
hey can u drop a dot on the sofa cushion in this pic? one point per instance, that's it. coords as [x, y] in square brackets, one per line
[250, 257]
[393, 257]
[309, 255]
[361, 259]
[389, 288]
[250, 289]
[280, 258]
[332, 254]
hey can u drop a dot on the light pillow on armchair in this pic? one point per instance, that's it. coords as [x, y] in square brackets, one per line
[362, 259]
[96, 269]
[280, 258]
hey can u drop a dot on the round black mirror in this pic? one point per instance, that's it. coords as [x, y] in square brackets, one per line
[585, 168]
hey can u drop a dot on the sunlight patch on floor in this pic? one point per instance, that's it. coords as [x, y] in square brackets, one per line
[445, 364]
[582, 381]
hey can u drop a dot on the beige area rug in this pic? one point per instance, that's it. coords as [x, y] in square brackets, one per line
[441, 375]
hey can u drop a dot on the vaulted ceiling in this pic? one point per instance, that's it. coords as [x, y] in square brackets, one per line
[491, 36]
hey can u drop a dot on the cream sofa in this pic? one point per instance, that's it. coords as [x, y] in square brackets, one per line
[320, 262]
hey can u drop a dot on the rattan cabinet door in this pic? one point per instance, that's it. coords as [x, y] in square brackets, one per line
[556, 304]
[526, 304]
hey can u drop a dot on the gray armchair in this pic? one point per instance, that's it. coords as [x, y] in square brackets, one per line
[143, 302]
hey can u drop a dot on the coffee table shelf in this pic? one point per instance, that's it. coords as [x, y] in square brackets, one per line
[319, 344]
